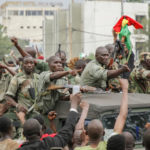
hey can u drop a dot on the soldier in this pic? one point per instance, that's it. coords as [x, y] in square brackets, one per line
[40, 65]
[62, 55]
[95, 74]
[5, 79]
[80, 64]
[46, 100]
[23, 87]
[140, 75]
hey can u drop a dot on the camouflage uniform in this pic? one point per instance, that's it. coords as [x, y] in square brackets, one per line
[18, 88]
[4, 83]
[94, 75]
[138, 77]
[46, 100]
[70, 77]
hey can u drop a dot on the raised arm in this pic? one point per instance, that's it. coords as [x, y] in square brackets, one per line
[22, 52]
[16, 59]
[66, 133]
[38, 52]
[9, 65]
[120, 122]
[85, 108]
[51, 116]
[8, 69]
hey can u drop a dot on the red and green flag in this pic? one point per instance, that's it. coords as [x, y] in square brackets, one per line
[121, 28]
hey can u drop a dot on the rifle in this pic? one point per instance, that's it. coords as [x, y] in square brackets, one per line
[59, 50]
[69, 86]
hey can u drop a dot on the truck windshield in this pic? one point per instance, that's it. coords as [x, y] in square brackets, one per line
[135, 123]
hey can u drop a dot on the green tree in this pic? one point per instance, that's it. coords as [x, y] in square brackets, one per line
[5, 43]
[91, 56]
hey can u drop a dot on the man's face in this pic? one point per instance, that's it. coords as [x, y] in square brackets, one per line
[56, 65]
[63, 58]
[81, 67]
[28, 65]
[102, 57]
[110, 50]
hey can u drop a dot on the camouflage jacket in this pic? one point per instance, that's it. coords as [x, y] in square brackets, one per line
[139, 80]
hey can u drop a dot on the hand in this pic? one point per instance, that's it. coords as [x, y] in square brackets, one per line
[84, 105]
[14, 41]
[125, 68]
[52, 115]
[20, 115]
[75, 100]
[74, 72]
[123, 83]
[22, 108]
[2, 65]
[4, 108]
[147, 126]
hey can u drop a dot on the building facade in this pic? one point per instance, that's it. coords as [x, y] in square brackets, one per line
[24, 20]
[86, 26]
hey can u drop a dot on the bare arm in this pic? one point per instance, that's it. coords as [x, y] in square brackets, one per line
[21, 116]
[22, 52]
[114, 35]
[15, 104]
[85, 108]
[60, 74]
[51, 116]
[115, 73]
[13, 73]
[38, 52]
[8, 69]
[17, 61]
[120, 122]
[9, 65]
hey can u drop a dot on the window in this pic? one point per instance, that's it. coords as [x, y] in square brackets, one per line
[28, 13]
[33, 13]
[15, 13]
[49, 13]
[21, 27]
[46, 13]
[39, 13]
[140, 47]
[28, 27]
[34, 27]
[20, 13]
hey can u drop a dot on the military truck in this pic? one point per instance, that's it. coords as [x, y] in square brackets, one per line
[105, 107]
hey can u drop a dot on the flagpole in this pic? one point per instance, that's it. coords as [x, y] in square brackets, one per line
[122, 8]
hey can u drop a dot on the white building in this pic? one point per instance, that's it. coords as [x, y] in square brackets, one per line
[100, 17]
[24, 19]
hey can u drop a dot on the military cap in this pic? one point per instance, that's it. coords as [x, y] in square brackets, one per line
[144, 56]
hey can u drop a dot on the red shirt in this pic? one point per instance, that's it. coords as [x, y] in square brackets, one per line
[43, 136]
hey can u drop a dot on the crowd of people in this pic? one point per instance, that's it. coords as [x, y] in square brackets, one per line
[35, 87]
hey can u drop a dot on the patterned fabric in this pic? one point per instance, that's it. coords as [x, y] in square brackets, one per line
[139, 74]
[144, 56]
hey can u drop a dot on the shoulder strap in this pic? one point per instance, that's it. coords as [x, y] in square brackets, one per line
[139, 88]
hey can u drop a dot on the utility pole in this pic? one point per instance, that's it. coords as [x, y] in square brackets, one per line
[70, 40]
[122, 13]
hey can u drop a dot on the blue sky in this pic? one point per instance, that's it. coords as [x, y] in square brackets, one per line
[65, 2]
